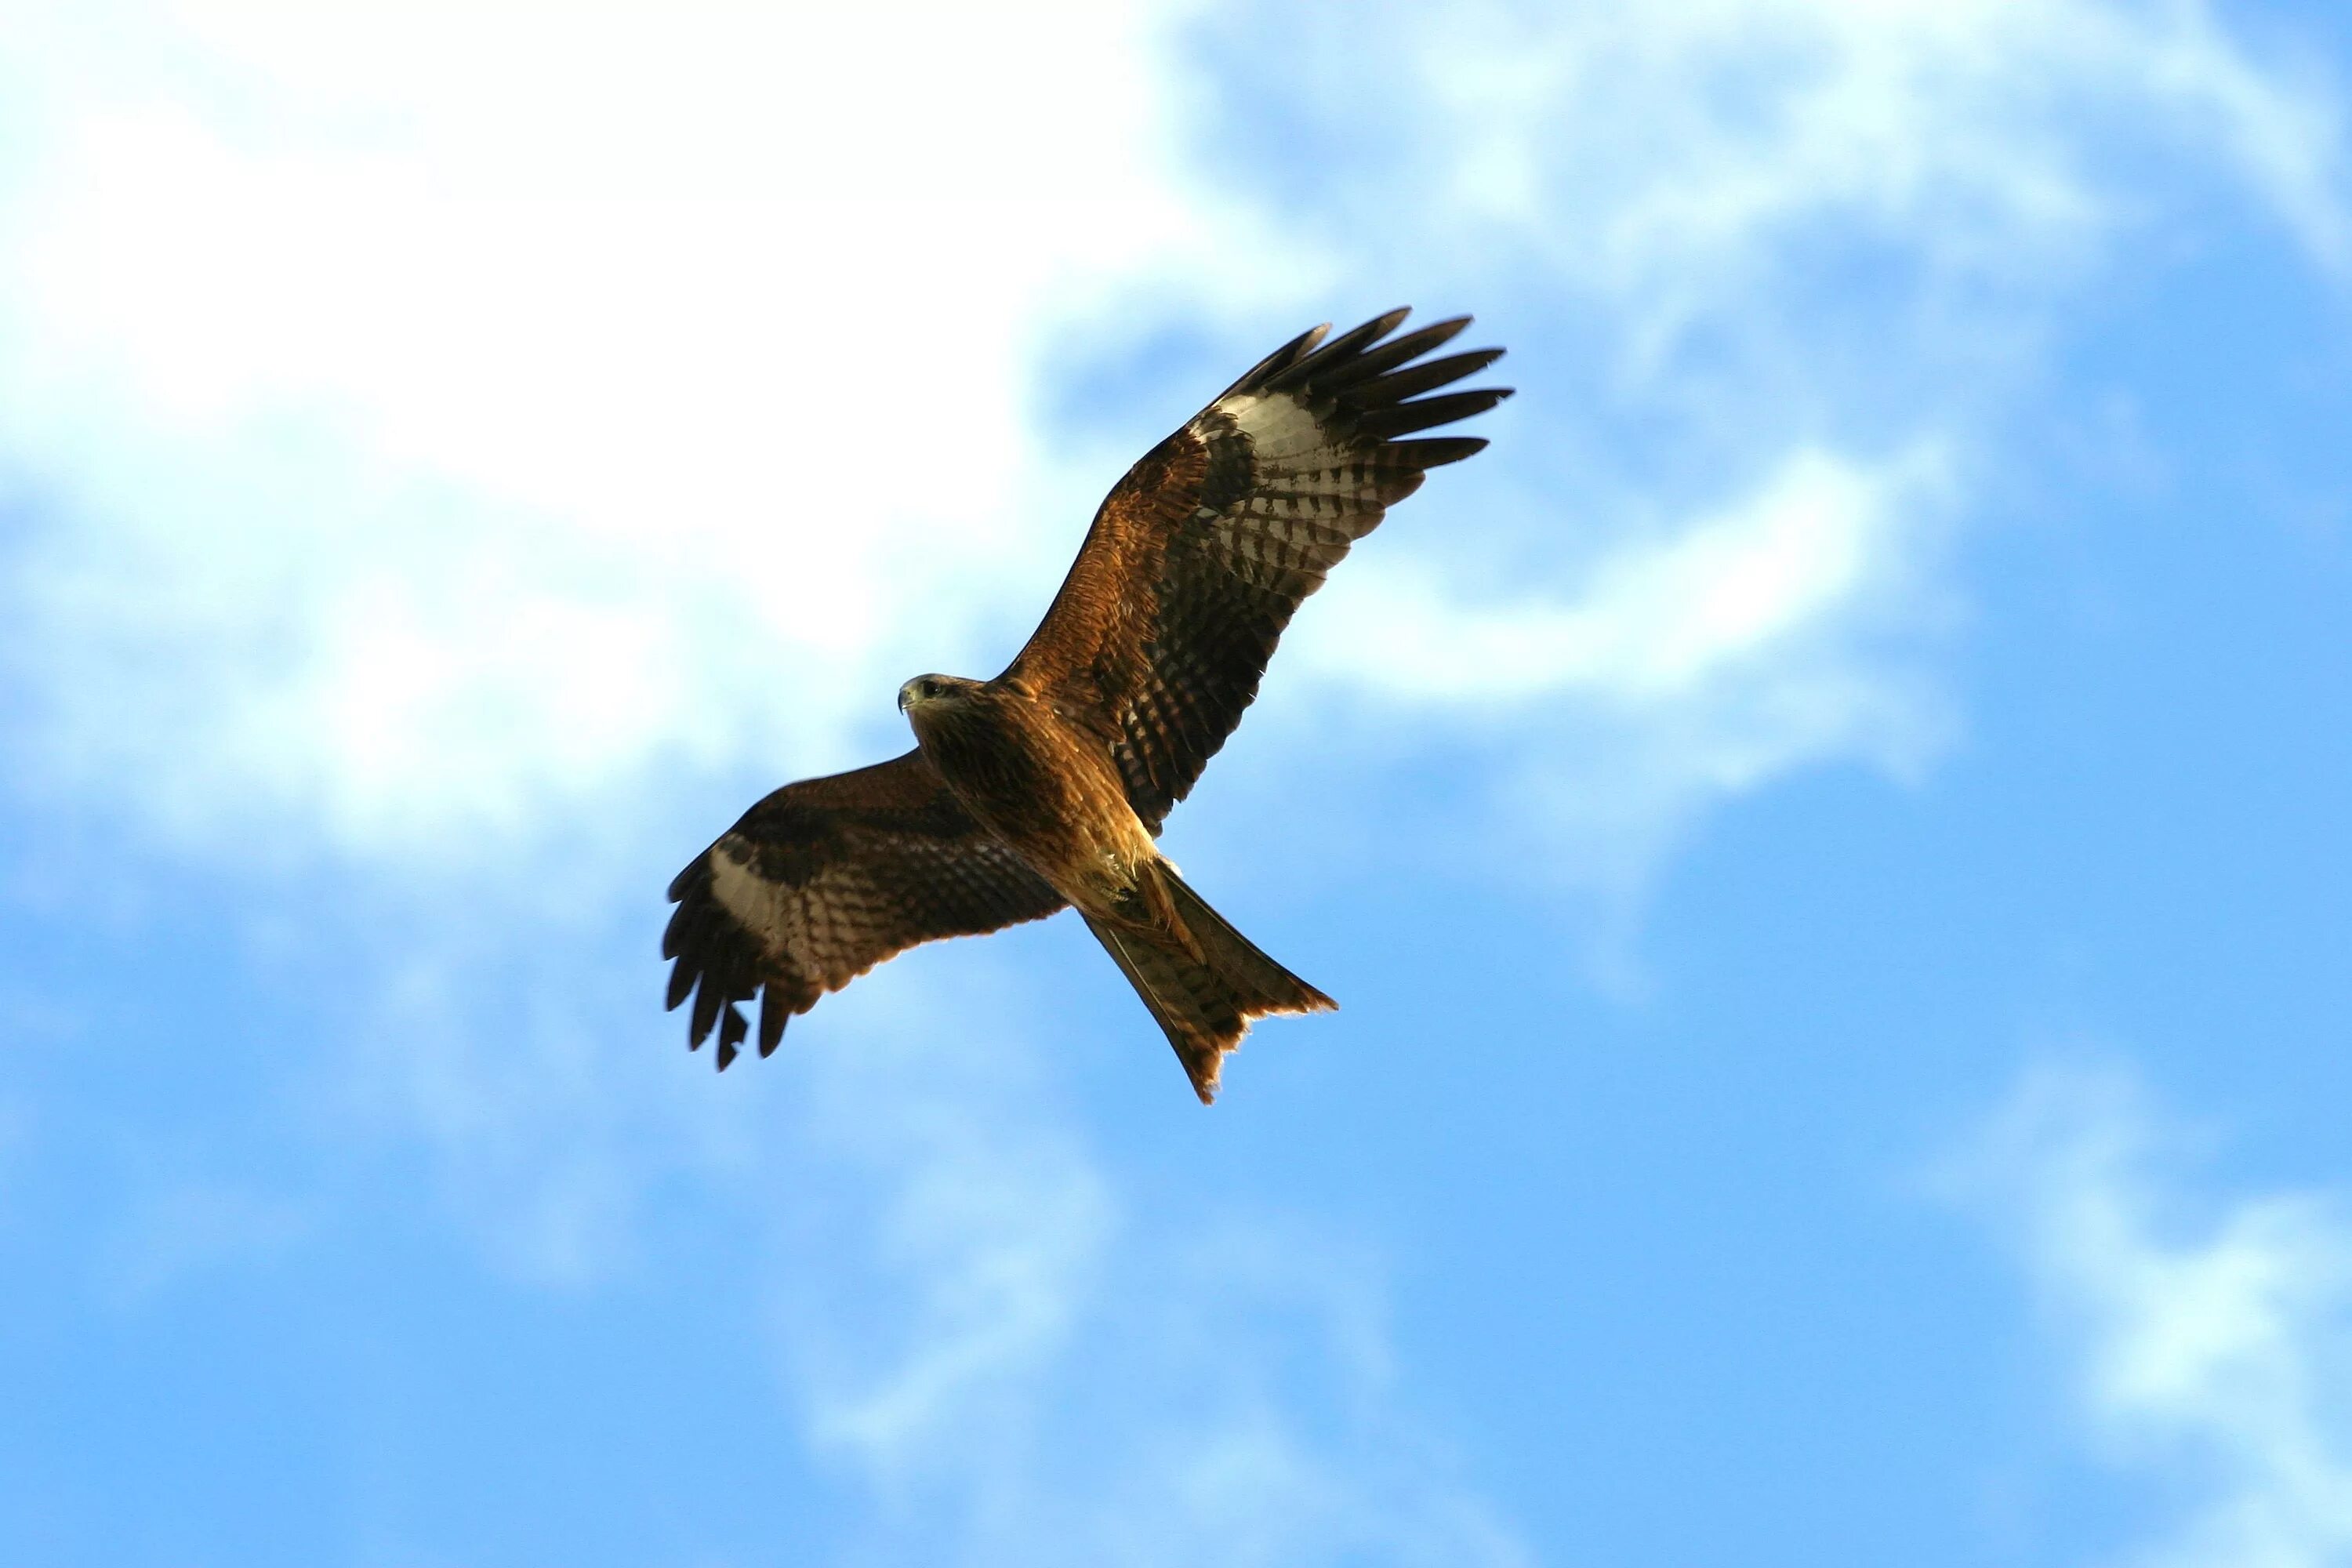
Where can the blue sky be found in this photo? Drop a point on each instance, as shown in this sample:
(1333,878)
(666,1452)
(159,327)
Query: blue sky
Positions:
(1828,836)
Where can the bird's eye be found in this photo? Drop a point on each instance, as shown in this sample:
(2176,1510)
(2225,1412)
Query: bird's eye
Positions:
(927,689)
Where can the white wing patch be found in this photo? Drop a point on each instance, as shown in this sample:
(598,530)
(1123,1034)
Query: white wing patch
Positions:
(1312,499)
(756,903)
(1277,426)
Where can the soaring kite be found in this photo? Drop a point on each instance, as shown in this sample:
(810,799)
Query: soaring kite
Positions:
(1048,784)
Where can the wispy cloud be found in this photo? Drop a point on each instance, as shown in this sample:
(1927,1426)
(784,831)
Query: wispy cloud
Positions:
(1008,1344)
(1657,622)
(1703,162)
(1030,1357)
(1807,257)
(388,458)
(2207,1339)
(1679,669)
(391,452)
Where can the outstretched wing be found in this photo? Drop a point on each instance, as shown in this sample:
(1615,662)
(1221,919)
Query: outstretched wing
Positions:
(822,880)
(1199,557)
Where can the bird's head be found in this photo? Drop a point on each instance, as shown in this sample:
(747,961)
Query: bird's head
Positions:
(926,691)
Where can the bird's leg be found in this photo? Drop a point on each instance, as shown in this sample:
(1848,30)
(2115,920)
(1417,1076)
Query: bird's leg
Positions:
(1128,893)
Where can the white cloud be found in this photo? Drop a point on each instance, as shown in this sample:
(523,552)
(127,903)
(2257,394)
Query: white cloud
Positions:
(1030,1358)
(1686,159)
(1803,256)
(428,418)
(1010,1346)
(986,1221)
(2208,1341)
(1657,623)
(424,415)
(415,451)
(1612,701)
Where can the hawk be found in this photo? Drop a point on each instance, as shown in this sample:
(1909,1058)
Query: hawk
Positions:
(1048,784)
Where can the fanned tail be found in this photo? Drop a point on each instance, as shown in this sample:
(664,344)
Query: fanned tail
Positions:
(1204,982)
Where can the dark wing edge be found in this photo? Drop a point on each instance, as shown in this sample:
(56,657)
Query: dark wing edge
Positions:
(1199,557)
(824,879)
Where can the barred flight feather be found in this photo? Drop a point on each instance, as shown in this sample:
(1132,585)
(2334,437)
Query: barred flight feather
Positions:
(1213,540)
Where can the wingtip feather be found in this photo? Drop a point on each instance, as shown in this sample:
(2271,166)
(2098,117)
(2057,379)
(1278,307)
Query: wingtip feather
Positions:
(732,1027)
(1438,451)
(1338,351)
(774,1014)
(1379,361)
(1404,419)
(708,999)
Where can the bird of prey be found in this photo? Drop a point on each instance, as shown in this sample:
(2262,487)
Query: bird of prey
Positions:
(1048,784)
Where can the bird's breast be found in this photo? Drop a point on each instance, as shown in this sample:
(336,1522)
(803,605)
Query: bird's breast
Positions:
(1049,792)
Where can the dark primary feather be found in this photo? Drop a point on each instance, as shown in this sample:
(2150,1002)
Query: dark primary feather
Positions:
(1288,355)
(1333,354)
(1397,350)
(1201,554)
(825,879)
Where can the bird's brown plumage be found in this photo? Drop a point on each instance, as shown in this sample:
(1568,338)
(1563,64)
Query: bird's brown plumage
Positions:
(1012,804)
(825,879)
(1199,557)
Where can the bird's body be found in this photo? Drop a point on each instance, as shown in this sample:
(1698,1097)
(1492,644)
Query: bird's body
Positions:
(1047,784)
(1038,784)
(1036,779)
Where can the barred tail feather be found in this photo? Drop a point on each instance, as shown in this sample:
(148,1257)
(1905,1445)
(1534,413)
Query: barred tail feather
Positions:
(1259,985)
(1205,990)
